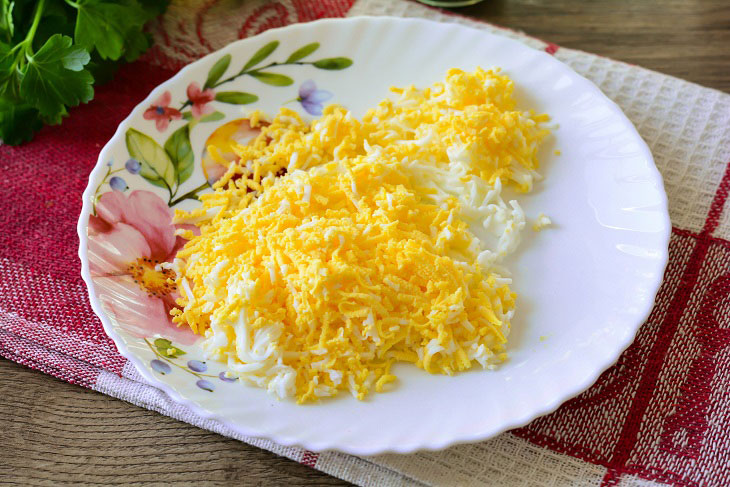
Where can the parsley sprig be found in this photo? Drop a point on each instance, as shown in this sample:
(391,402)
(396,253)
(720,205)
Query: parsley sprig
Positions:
(53,51)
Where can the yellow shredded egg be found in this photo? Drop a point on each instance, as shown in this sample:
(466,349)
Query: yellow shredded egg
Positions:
(337,247)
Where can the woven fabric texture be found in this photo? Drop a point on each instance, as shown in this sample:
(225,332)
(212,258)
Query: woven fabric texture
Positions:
(659,416)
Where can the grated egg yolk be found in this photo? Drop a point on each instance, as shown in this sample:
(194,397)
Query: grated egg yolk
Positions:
(345,283)
(335,248)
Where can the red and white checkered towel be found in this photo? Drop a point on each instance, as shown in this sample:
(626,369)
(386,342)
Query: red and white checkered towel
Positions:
(661,415)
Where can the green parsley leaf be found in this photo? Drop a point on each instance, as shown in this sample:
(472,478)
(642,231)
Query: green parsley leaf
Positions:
(108,26)
(153,7)
(58,18)
(7,28)
(55,77)
(22,13)
(18,122)
(103,70)
(9,76)
(136,45)
(42,71)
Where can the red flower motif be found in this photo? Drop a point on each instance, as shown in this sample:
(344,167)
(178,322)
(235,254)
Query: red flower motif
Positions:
(200,99)
(161,113)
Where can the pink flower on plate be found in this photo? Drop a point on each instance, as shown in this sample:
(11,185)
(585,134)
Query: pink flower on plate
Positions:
(161,113)
(128,237)
(200,99)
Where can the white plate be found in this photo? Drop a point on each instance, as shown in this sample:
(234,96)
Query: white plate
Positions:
(585,284)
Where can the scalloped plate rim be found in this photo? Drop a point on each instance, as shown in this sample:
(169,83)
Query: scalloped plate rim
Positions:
(364,450)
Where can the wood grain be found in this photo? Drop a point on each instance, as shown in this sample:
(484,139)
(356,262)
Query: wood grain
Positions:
(677,37)
(56,433)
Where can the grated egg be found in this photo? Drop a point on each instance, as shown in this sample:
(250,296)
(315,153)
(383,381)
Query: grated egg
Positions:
(382,243)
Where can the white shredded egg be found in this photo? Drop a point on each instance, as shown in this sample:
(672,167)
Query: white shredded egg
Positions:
(382,243)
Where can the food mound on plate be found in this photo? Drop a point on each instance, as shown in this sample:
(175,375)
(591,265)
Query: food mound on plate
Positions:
(332,249)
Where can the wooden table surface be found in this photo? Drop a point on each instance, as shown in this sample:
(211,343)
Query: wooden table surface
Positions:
(54,432)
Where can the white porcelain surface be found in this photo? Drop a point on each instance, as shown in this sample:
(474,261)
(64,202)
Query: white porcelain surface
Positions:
(585,284)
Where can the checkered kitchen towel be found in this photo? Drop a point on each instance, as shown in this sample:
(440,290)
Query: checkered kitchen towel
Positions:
(661,415)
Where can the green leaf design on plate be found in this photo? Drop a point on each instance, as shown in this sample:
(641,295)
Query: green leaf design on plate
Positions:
(333,63)
(157,168)
(165,348)
(181,153)
(172,352)
(187,116)
(303,52)
(273,79)
(261,54)
(218,69)
(212,117)
(236,97)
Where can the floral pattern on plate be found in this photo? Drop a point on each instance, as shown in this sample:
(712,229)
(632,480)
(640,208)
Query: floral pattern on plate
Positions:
(604,189)
(167,355)
(130,231)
